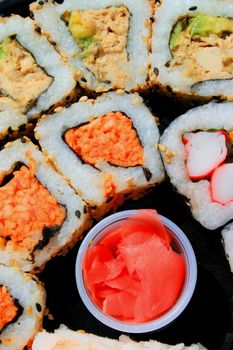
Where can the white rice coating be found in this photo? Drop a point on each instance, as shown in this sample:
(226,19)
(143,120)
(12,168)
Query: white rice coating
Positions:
(227,235)
(85,178)
(211,116)
(48,17)
(29,292)
(172,11)
(72,226)
(47,58)
(85,341)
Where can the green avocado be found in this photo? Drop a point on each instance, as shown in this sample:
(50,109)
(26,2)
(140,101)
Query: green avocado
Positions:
(202,25)
(178,28)
(3,48)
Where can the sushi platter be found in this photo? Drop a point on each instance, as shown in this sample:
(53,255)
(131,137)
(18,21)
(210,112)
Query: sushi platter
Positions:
(195,194)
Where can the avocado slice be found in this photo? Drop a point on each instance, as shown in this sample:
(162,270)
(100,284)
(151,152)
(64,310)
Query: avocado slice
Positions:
(202,25)
(177,30)
(3,48)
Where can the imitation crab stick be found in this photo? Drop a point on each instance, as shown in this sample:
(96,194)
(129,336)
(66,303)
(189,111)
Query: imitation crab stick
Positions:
(205,152)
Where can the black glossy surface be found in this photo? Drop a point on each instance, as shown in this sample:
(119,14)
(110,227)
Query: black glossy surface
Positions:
(208,318)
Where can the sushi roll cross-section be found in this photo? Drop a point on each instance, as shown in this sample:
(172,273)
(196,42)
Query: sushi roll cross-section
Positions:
(33,76)
(22,305)
(202,167)
(192,50)
(64,338)
(40,215)
(106,42)
(106,148)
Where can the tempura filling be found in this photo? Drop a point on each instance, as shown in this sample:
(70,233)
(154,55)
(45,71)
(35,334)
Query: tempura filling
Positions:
(9,308)
(202,46)
(102,37)
(29,214)
(22,81)
(110,138)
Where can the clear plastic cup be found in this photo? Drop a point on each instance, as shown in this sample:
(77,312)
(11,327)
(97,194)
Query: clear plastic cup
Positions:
(181,243)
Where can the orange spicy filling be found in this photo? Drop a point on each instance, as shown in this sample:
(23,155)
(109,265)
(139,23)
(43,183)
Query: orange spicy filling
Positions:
(8,310)
(110,138)
(26,208)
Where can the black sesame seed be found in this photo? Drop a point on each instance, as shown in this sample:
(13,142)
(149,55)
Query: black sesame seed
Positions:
(152,19)
(94,207)
(38,30)
(38,307)
(109,199)
(41,2)
(84,80)
(193,8)
(22,127)
(107,81)
(53,43)
(85,209)
(77,213)
(169,89)
(156,71)
(147,174)
(23,140)
(167,64)
(10,131)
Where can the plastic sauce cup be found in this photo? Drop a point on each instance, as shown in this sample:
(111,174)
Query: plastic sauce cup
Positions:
(184,247)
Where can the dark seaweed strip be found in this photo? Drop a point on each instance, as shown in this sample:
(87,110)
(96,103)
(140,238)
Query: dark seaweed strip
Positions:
(47,233)
(9,177)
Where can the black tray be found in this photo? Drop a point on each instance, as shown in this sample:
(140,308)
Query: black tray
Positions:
(208,319)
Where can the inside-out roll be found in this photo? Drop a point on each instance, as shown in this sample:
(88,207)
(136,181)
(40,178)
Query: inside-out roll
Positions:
(66,339)
(22,305)
(33,76)
(106,42)
(197,153)
(41,216)
(106,148)
(192,48)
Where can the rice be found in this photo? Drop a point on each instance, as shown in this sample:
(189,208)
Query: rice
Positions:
(29,296)
(90,179)
(48,216)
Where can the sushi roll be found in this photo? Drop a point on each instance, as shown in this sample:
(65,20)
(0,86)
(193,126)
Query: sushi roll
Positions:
(33,76)
(106,148)
(106,42)
(227,237)
(197,153)
(40,215)
(192,48)
(22,305)
(70,340)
